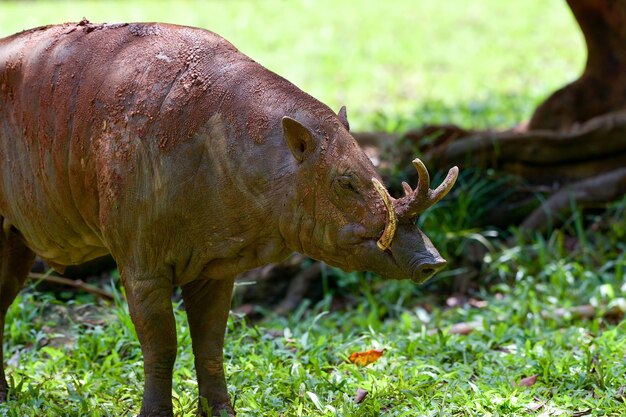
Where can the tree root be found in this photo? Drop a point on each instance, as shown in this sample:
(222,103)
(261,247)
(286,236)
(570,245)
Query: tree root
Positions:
(595,191)
(541,156)
(283,285)
(74,283)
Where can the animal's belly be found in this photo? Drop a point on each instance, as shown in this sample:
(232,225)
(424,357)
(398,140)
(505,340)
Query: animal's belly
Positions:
(57,224)
(67,252)
(68,245)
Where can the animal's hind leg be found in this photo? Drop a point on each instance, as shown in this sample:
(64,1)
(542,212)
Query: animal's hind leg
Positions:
(16,259)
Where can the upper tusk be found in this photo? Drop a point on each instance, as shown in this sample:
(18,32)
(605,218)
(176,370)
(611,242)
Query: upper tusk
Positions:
(385,240)
(423,177)
(445,187)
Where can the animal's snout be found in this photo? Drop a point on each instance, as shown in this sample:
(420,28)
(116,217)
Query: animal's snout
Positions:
(426,270)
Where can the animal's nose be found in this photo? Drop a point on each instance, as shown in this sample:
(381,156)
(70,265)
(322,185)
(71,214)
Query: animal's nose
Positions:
(427,269)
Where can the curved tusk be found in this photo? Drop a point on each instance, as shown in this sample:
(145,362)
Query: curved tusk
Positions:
(445,187)
(407,188)
(423,177)
(385,240)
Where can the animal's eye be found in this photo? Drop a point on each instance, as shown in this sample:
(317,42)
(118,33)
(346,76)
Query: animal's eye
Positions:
(347,182)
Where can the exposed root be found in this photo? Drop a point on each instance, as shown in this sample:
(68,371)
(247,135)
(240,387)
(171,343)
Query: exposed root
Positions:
(78,284)
(542,156)
(595,191)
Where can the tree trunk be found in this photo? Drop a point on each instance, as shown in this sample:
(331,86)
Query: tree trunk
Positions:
(602,86)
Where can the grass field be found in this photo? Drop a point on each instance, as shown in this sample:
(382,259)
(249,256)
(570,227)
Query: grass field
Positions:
(480,63)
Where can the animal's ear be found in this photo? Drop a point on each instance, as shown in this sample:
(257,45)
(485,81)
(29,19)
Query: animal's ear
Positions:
(343,117)
(299,139)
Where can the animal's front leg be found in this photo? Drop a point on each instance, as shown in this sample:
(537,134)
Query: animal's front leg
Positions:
(150,304)
(207,303)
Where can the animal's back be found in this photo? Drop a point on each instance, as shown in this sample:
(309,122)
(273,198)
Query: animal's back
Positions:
(100,124)
(74,102)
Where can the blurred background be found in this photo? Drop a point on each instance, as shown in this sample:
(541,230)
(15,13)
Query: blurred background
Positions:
(528,317)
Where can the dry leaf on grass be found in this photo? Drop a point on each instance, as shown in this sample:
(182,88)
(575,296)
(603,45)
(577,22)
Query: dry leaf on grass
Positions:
(534,406)
(360,395)
(529,381)
(365,358)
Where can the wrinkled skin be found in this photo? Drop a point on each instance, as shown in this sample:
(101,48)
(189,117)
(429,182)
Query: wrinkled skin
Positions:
(189,163)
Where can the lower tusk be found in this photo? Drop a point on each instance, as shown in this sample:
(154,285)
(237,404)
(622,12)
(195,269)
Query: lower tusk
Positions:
(385,240)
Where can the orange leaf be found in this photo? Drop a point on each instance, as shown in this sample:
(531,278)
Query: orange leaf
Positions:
(365,358)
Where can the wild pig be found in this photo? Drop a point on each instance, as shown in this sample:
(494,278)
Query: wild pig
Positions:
(189,163)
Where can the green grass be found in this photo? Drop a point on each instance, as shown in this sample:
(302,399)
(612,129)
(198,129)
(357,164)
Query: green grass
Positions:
(394,64)
(77,360)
